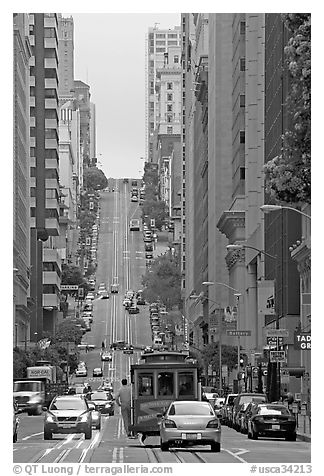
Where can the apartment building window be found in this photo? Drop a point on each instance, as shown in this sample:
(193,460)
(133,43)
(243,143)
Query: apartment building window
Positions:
(176,59)
(33,171)
(242,173)
(242,100)
(152,105)
(49,33)
(160,35)
(33,192)
(49,289)
(152,91)
(169,118)
(242,27)
(151,64)
(169,130)
(172,35)
(160,50)
(242,137)
(51,193)
(242,64)
(51,213)
(51,134)
(51,93)
(160,42)
(169,86)
(169,107)
(172,43)
(152,126)
(169,97)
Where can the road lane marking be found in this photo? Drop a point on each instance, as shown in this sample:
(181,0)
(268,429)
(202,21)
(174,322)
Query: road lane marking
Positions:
(235,455)
(30,436)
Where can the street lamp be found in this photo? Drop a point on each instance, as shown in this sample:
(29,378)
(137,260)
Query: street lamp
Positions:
(273,208)
(242,246)
(237,294)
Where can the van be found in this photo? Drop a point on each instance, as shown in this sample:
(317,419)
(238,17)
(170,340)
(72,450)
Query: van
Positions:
(157,342)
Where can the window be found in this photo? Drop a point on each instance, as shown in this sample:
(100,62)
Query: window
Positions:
(242,64)
(145,385)
(169,107)
(160,50)
(160,35)
(169,86)
(172,35)
(151,64)
(242,28)
(165,383)
(242,173)
(169,130)
(242,100)
(176,59)
(169,97)
(169,118)
(172,43)
(185,383)
(242,137)
(160,42)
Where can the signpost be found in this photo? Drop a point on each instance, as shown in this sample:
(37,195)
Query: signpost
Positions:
(238,333)
(277,356)
(69,287)
(277,333)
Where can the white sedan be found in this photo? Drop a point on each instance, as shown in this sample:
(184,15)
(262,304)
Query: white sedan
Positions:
(81,372)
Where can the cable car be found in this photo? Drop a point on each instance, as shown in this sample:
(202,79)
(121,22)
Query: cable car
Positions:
(158,379)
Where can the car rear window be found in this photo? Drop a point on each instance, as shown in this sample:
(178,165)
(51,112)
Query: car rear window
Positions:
(190,409)
(251,398)
(272,410)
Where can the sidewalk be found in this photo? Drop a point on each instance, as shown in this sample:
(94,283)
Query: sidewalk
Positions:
(304,428)
(162,244)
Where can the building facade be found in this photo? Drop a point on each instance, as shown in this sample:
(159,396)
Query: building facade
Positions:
(157,43)
(66,55)
(21,194)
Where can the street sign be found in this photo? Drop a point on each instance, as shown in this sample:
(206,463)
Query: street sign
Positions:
(277,356)
(274,341)
(277,333)
(69,287)
(238,333)
(302,340)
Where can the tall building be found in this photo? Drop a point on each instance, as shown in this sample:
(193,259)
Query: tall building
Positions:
(93,151)
(21,252)
(157,43)
(44,177)
(82,97)
(66,55)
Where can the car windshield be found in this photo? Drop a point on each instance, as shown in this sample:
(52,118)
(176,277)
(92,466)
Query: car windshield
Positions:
(231,399)
(209,389)
(68,404)
(99,396)
(273,410)
(26,386)
(244,399)
(191,409)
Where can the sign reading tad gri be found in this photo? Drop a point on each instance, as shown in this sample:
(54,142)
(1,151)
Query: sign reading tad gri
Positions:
(302,341)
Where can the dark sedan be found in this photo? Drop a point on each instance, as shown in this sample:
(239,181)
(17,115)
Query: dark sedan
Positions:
(271,420)
(103,402)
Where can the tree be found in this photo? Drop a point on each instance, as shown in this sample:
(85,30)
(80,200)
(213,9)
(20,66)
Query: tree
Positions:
(155,209)
(94,179)
(163,282)
(210,356)
(288,176)
(71,274)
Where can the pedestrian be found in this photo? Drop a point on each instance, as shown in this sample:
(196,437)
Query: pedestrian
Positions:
(102,345)
(123,399)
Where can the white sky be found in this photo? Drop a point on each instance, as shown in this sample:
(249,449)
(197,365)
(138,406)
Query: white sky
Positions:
(109,55)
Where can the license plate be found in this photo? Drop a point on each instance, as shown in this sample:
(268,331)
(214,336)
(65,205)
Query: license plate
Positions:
(276,427)
(66,425)
(189,436)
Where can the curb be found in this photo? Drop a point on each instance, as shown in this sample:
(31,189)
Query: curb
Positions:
(303,437)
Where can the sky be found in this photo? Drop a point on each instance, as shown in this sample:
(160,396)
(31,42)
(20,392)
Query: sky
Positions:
(109,55)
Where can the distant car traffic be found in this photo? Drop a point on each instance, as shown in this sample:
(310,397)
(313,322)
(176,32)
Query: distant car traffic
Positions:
(114,287)
(67,414)
(133,309)
(188,423)
(103,401)
(90,296)
(97,372)
(81,372)
(128,349)
(105,295)
(106,357)
(120,344)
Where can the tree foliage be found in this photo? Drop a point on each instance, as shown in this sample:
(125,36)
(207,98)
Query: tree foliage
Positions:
(71,274)
(94,179)
(155,209)
(163,282)
(288,176)
(210,356)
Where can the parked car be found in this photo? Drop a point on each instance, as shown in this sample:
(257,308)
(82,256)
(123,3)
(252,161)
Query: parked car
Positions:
(218,405)
(183,421)
(128,349)
(81,372)
(67,414)
(90,297)
(226,410)
(15,421)
(209,393)
(271,420)
(105,295)
(133,309)
(245,399)
(120,344)
(148,349)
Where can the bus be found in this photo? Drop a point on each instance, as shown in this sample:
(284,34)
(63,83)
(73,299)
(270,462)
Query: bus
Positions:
(134,224)
(158,379)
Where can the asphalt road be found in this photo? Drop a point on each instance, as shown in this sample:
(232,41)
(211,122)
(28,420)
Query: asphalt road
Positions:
(121,255)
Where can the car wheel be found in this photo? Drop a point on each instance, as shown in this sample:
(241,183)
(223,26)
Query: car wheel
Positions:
(88,434)
(47,435)
(215,447)
(164,446)
(254,435)
(292,437)
(249,435)
(98,427)
(15,437)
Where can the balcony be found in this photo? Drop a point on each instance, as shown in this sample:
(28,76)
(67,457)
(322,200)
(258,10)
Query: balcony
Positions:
(52,183)
(51,143)
(51,277)
(50,43)
(51,255)
(32,101)
(52,226)
(50,103)
(51,164)
(50,63)
(52,203)
(32,121)
(51,124)
(32,81)
(51,83)
(51,300)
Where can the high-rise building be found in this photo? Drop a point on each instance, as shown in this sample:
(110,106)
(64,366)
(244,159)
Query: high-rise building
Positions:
(66,55)
(93,133)
(82,97)
(157,43)
(21,252)
(44,176)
